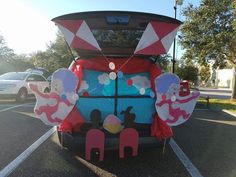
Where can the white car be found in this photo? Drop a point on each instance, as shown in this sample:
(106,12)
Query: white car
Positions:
(15,85)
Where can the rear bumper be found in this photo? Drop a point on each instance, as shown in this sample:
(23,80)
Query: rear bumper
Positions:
(78,141)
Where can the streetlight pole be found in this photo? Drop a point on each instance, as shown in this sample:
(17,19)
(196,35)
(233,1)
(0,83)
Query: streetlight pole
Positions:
(173,60)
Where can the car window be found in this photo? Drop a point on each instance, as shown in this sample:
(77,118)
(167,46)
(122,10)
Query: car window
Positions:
(13,76)
(34,77)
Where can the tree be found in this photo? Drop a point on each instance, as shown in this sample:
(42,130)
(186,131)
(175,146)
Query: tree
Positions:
(5,52)
(163,61)
(234,49)
(56,56)
(10,61)
(188,72)
(205,74)
(209,34)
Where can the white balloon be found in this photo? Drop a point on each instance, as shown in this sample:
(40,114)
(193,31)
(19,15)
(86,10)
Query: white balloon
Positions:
(142,91)
(112,65)
(112,75)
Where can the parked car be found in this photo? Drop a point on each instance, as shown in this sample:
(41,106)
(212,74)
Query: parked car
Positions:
(116,72)
(39,70)
(15,85)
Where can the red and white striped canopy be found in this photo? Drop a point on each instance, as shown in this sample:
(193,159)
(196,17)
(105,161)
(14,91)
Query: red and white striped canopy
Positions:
(78,34)
(157,38)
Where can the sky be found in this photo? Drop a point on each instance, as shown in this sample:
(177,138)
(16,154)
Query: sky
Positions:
(27,27)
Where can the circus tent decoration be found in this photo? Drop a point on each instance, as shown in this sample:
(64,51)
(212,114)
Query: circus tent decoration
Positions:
(157,38)
(78,34)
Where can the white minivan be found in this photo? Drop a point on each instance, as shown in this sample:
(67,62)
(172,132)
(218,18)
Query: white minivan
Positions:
(15,84)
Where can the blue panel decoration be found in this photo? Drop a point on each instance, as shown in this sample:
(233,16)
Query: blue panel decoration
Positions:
(87,105)
(143,113)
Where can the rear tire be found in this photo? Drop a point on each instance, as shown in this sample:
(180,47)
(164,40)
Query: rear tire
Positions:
(46,90)
(21,95)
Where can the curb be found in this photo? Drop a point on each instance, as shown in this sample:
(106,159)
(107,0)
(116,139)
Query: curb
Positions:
(228,112)
(223,111)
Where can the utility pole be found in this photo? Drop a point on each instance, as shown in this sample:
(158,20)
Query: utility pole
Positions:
(177,2)
(173,60)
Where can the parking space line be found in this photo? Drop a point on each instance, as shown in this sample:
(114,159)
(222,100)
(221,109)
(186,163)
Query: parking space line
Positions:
(193,171)
(21,105)
(15,163)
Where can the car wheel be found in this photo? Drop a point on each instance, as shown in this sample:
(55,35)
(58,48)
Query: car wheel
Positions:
(46,90)
(22,95)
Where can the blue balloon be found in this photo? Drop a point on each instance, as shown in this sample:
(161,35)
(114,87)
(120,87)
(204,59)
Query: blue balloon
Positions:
(63,97)
(120,74)
(152,94)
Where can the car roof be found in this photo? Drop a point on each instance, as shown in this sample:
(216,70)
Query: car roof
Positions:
(100,21)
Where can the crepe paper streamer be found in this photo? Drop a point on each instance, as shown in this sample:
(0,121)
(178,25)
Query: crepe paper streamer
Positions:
(120,74)
(112,124)
(142,91)
(95,139)
(129,82)
(160,129)
(172,108)
(129,138)
(52,108)
(112,65)
(112,75)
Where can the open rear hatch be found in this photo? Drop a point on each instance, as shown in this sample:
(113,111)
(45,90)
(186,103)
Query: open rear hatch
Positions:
(118,33)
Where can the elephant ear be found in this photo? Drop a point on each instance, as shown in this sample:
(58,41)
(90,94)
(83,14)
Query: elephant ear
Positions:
(170,106)
(52,108)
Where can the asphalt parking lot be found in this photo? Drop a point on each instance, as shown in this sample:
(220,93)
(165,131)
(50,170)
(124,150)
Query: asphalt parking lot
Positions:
(206,142)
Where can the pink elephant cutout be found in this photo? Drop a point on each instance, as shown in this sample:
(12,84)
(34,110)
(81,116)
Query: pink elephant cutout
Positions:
(52,108)
(172,108)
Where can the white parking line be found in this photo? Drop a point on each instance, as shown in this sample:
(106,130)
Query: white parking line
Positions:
(193,171)
(15,163)
(21,105)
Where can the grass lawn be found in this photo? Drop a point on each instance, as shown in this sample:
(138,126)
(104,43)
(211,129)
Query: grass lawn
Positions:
(221,104)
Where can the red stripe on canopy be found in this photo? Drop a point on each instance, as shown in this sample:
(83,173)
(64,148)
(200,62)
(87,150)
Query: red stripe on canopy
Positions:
(71,25)
(157,38)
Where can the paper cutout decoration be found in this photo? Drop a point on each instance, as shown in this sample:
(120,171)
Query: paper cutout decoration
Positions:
(112,124)
(157,38)
(128,117)
(170,106)
(95,118)
(52,108)
(95,138)
(78,34)
(141,82)
(129,138)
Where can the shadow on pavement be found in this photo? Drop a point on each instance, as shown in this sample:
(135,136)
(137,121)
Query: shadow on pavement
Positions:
(208,139)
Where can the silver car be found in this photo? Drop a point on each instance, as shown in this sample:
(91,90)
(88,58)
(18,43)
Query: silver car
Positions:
(15,85)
